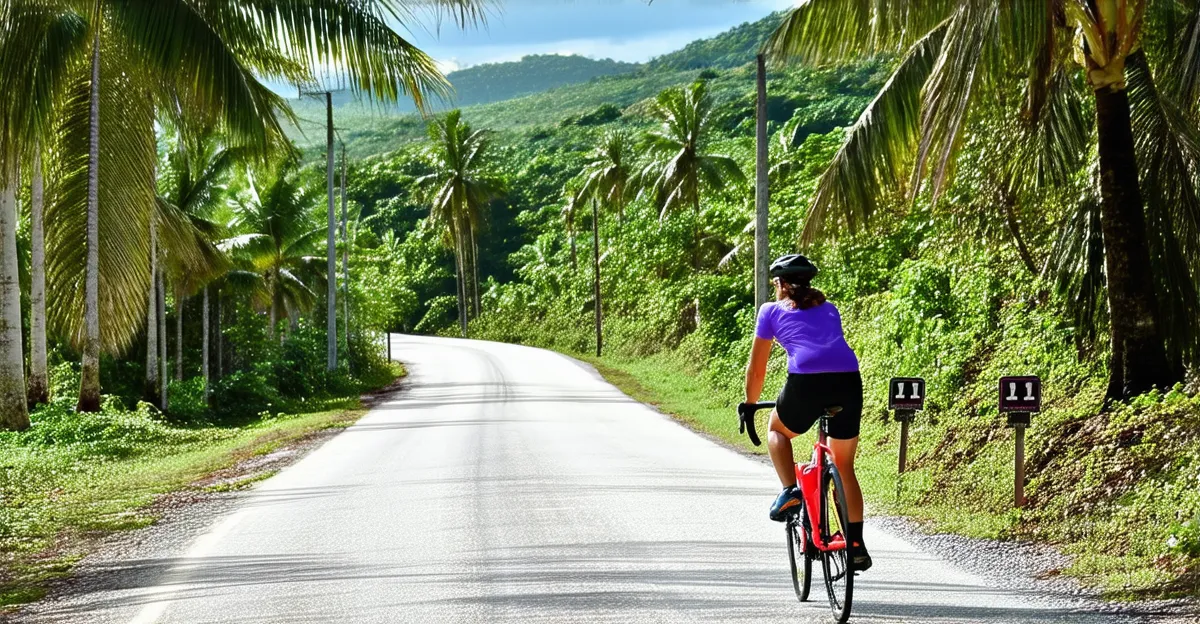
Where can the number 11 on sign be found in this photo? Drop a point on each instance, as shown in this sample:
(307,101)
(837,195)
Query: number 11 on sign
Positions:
(1012,391)
(916,390)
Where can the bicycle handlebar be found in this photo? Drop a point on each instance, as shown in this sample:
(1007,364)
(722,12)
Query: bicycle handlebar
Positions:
(746,413)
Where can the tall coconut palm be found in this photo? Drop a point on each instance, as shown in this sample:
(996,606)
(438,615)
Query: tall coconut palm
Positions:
(606,182)
(680,168)
(192,185)
(461,188)
(608,174)
(194,63)
(1142,73)
(37,44)
(277,242)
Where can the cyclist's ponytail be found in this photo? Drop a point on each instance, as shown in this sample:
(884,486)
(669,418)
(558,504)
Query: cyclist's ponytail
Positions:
(802,295)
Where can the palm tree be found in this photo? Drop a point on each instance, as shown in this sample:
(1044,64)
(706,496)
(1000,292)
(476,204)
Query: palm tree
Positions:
(193,64)
(192,182)
(36,44)
(681,169)
(276,245)
(609,172)
(1143,75)
(606,181)
(461,188)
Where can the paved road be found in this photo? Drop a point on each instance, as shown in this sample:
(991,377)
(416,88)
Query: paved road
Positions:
(513,484)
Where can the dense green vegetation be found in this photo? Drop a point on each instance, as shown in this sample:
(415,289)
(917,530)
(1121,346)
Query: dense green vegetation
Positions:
(162,255)
(985,279)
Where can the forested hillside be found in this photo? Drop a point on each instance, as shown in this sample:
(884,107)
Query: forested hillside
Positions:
(494,82)
(987,280)
(573,86)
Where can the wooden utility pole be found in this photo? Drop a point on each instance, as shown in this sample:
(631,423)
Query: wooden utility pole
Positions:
(762,192)
(345,259)
(331,244)
(331,337)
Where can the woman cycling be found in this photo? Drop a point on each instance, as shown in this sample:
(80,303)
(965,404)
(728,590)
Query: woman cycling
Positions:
(822,371)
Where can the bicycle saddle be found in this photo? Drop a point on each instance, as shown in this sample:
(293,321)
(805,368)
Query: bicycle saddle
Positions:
(833,410)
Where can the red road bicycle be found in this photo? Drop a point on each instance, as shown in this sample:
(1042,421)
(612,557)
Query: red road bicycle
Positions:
(815,530)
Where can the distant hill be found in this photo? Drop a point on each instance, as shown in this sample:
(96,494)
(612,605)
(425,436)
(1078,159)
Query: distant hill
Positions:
(494,82)
(732,48)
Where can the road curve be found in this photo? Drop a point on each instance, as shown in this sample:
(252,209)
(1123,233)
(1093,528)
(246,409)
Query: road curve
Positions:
(514,484)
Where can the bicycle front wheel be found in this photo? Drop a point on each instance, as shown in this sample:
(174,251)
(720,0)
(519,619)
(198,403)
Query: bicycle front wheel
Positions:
(797,542)
(839,577)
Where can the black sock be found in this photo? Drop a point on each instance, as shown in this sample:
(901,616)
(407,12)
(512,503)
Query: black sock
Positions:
(854,532)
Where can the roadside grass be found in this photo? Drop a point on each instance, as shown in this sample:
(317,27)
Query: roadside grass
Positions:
(1104,488)
(64,489)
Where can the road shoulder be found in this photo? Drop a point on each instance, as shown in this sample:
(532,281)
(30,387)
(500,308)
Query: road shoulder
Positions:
(101,561)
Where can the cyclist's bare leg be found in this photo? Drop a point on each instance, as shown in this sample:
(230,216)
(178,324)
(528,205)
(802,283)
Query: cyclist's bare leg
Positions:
(843,458)
(779,444)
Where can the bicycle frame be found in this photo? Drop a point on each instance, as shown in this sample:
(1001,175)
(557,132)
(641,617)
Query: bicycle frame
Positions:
(808,476)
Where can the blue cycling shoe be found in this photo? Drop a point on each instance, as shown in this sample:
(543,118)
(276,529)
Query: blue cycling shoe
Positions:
(787,503)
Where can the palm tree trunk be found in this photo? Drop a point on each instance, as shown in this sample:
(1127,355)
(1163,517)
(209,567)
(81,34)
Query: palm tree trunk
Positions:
(220,337)
(179,299)
(13,409)
(273,316)
(1009,200)
(89,374)
(204,342)
(460,283)
(345,261)
(152,392)
(1131,297)
(477,300)
(696,230)
(39,383)
(596,277)
(161,303)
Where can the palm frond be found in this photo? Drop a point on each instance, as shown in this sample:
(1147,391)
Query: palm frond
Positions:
(127,199)
(39,44)
(950,89)
(834,31)
(878,146)
(1052,148)
(1076,266)
(1168,151)
(352,38)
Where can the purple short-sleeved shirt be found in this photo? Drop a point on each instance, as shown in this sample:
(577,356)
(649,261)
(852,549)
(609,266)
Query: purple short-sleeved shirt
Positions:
(813,338)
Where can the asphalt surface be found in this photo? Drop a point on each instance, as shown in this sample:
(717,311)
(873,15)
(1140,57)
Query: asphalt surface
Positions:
(514,484)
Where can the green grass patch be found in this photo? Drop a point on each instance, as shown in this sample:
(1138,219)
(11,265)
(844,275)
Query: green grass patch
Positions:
(1105,488)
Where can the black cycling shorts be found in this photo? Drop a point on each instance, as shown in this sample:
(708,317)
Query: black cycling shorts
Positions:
(805,396)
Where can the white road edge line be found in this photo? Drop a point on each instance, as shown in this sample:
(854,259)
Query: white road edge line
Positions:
(151,613)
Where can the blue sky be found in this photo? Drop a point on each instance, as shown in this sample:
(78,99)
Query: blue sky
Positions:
(625,30)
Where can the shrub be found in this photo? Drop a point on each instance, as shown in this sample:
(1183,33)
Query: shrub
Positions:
(244,394)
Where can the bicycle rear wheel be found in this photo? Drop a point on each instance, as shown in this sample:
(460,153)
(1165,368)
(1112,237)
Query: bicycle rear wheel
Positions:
(798,556)
(839,577)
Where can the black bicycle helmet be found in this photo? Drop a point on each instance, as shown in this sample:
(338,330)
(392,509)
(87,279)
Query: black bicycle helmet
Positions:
(794,265)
